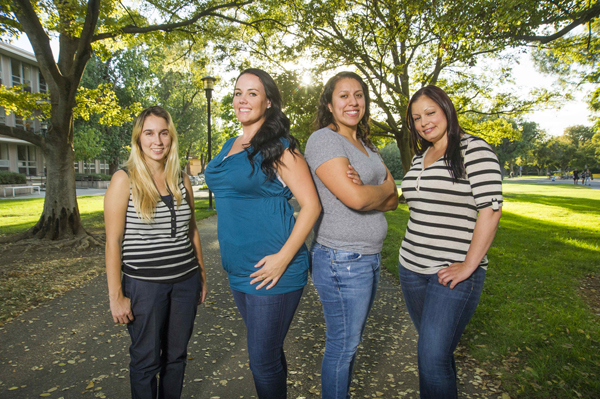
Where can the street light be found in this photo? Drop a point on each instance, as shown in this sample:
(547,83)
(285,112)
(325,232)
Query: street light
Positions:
(209,84)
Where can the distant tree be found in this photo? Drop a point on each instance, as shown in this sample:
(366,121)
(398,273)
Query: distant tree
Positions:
(391,157)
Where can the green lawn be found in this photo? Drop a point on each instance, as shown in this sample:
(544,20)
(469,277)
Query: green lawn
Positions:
(17,215)
(532,325)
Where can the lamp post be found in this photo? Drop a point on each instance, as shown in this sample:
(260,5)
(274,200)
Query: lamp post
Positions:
(209,84)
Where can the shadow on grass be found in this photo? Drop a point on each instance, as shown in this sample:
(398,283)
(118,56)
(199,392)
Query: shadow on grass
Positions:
(531,310)
(531,324)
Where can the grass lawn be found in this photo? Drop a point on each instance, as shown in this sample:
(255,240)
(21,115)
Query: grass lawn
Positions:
(17,215)
(533,325)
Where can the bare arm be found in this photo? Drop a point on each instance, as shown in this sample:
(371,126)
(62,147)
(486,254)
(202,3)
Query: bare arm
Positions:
(391,202)
(195,237)
(356,196)
(483,236)
(296,175)
(116,200)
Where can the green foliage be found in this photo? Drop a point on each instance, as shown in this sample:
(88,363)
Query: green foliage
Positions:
(92,177)
(532,326)
(391,157)
(7,177)
(86,143)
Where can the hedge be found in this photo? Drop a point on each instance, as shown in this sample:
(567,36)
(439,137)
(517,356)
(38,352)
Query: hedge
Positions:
(7,177)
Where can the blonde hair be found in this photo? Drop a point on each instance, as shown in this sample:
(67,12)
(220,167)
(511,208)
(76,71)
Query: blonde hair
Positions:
(145,195)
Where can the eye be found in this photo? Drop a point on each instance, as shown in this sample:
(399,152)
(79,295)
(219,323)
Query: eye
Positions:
(416,118)
(359,95)
(431,113)
(237,93)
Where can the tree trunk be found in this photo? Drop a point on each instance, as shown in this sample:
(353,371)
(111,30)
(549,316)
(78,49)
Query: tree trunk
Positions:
(60,219)
(406,151)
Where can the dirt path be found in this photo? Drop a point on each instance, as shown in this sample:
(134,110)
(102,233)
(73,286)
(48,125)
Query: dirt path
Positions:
(70,348)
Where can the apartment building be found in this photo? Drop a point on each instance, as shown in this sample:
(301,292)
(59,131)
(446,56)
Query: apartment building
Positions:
(19,67)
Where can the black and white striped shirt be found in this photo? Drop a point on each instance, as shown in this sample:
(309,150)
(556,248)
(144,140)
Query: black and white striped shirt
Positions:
(159,251)
(443,213)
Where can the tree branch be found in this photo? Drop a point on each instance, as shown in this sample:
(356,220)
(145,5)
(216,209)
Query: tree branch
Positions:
(212,11)
(39,41)
(23,134)
(586,16)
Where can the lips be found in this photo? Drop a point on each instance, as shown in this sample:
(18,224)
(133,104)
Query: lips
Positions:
(352,113)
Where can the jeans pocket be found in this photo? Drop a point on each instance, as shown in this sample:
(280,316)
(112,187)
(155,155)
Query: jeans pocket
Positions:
(345,256)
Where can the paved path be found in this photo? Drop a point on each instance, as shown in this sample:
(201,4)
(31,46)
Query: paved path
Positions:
(70,348)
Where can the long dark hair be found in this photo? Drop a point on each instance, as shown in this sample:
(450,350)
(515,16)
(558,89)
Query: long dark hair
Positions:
(267,141)
(452,157)
(325,117)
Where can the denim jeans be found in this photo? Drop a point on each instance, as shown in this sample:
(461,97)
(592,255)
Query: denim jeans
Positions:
(346,283)
(162,326)
(268,320)
(440,315)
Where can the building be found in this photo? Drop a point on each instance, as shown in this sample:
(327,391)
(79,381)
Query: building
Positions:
(19,67)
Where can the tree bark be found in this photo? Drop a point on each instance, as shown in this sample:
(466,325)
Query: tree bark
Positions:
(60,219)
(403,143)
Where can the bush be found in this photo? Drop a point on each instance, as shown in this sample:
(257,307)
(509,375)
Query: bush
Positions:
(7,177)
(91,177)
(391,157)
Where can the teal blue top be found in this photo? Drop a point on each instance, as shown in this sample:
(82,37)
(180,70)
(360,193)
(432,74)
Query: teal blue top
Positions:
(255,219)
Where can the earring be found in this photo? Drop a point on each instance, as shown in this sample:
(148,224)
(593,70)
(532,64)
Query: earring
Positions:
(268,106)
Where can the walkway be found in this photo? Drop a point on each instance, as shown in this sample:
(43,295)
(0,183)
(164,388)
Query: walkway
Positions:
(70,348)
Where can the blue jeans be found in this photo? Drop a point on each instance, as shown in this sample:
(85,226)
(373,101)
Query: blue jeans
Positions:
(346,283)
(268,320)
(440,315)
(162,326)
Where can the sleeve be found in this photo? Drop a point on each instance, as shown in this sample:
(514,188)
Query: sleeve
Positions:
(322,146)
(483,173)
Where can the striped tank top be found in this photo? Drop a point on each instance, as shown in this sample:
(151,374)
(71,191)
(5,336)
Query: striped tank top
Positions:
(159,251)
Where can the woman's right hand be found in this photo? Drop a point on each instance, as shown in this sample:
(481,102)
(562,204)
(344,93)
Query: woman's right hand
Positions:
(353,175)
(121,310)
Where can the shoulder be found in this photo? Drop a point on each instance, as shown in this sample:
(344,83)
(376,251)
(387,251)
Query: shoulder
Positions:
(473,146)
(120,178)
(321,137)
(119,187)
(471,141)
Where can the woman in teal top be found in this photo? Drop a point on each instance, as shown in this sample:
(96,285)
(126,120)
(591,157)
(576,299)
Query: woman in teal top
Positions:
(262,245)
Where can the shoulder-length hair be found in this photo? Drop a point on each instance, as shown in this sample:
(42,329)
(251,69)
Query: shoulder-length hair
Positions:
(267,140)
(145,195)
(325,117)
(452,157)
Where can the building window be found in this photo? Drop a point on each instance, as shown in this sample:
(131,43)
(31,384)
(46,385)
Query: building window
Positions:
(2,116)
(43,86)
(76,166)
(26,160)
(18,121)
(89,167)
(27,77)
(4,162)
(43,128)
(103,167)
(1,71)
(15,67)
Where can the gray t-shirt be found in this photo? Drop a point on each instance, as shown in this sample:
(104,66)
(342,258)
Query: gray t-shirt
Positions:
(339,226)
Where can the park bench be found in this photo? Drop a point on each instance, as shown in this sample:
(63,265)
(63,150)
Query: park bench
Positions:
(18,187)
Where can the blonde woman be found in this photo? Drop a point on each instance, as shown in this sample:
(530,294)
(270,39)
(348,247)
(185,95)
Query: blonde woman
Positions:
(154,265)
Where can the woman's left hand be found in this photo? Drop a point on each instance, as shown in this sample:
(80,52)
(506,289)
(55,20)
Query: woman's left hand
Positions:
(455,273)
(272,268)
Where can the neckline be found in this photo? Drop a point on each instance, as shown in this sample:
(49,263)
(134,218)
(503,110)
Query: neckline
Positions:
(228,155)
(349,142)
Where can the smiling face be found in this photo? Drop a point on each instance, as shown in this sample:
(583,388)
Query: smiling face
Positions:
(429,120)
(155,139)
(250,101)
(347,103)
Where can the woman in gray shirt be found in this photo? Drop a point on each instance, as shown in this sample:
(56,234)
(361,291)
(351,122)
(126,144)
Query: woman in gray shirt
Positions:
(355,188)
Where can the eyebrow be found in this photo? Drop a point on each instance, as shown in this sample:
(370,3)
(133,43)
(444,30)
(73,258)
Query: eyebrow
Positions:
(250,89)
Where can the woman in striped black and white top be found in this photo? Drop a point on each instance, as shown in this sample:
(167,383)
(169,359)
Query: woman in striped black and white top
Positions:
(454,193)
(154,263)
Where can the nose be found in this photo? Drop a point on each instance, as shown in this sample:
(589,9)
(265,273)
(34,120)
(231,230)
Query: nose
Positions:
(157,140)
